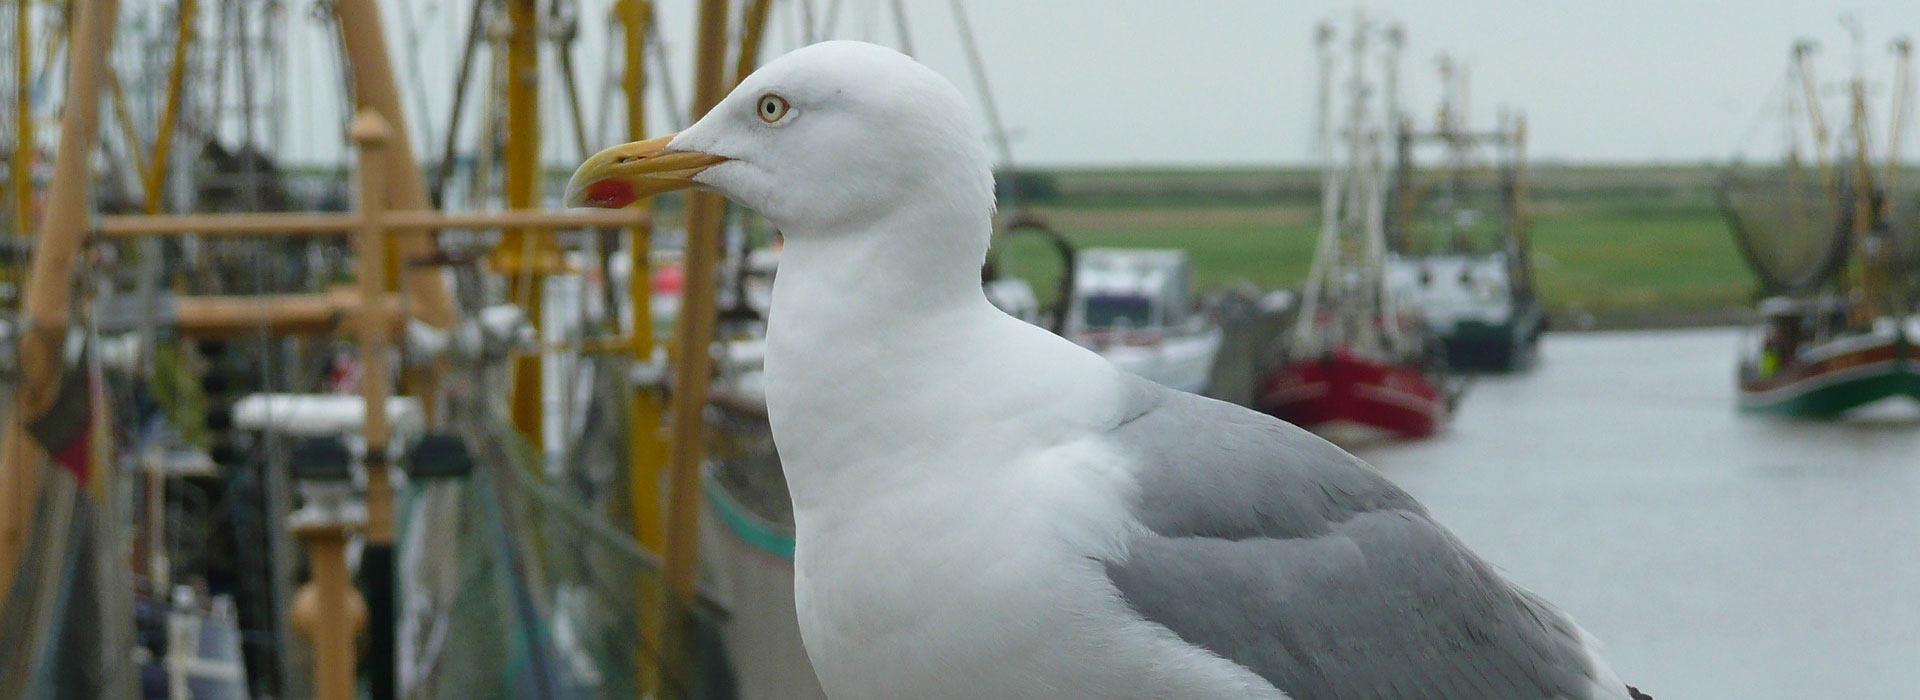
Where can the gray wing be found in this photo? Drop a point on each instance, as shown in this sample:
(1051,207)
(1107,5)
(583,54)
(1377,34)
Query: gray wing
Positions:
(1277,550)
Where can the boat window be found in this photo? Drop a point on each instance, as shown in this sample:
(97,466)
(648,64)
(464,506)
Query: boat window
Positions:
(1109,310)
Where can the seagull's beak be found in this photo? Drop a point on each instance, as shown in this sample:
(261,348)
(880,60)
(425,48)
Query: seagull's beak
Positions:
(619,176)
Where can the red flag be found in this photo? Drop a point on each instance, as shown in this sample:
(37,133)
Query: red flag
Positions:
(66,430)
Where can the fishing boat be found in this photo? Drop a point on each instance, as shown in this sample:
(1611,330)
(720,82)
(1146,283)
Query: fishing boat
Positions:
(1359,355)
(1458,234)
(1785,375)
(1835,247)
(1134,307)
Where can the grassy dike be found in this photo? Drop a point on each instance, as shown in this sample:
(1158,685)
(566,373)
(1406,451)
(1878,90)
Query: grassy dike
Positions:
(1613,247)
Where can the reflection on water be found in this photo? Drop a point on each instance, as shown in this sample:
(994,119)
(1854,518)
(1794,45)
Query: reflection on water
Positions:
(1718,555)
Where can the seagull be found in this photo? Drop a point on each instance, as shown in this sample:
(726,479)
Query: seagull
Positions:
(983,509)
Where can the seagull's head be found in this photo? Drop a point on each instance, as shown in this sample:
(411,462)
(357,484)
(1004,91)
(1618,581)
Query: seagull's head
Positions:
(828,138)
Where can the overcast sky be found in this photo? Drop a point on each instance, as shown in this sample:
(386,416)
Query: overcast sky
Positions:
(1230,82)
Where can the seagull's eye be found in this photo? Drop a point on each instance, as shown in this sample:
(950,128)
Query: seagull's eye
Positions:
(772,108)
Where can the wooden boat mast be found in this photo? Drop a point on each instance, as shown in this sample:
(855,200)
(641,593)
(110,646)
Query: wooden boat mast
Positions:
(24,149)
(46,306)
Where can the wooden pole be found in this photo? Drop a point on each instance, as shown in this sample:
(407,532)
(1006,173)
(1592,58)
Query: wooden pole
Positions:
(49,279)
(693,363)
(392,223)
(373,136)
(753,26)
(693,334)
(373,87)
(23,140)
(332,627)
(340,310)
(646,437)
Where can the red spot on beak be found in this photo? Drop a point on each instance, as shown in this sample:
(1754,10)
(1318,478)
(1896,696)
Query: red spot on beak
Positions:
(610,194)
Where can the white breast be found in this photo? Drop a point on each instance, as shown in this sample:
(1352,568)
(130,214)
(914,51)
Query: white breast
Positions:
(992,588)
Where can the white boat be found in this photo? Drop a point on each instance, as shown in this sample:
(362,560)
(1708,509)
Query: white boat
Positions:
(1135,307)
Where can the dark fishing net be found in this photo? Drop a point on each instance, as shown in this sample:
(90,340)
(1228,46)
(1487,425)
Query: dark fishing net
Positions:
(1793,235)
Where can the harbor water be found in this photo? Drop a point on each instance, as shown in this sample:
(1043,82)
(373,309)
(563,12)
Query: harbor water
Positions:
(1717,555)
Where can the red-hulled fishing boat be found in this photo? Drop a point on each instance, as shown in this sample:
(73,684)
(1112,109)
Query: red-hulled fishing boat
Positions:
(1358,356)
(1343,389)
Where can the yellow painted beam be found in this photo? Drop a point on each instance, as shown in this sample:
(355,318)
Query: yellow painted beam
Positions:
(154,179)
(525,256)
(646,428)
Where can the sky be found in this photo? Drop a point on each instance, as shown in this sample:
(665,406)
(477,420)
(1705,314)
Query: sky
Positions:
(1114,83)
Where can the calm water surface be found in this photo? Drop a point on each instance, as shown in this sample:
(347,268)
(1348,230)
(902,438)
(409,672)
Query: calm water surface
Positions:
(1718,555)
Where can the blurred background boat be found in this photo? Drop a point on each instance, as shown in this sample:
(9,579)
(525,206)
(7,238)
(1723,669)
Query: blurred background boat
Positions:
(1835,245)
(1458,232)
(1359,355)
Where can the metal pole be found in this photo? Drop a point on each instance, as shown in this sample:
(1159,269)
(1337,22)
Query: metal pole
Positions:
(47,302)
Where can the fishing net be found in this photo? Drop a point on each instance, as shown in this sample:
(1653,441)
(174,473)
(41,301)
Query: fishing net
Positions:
(1790,231)
(526,589)
(1899,254)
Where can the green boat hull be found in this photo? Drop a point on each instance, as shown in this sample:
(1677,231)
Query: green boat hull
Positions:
(1833,396)
(1833,400)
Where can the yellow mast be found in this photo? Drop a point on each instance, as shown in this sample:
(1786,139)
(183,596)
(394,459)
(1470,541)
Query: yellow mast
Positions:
(525,257)
(1903,58)
(1802,52)
(1863,308)
(155,178)
(646,436)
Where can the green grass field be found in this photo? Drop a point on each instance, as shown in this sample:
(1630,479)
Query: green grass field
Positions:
(1645,247)
(1588,259)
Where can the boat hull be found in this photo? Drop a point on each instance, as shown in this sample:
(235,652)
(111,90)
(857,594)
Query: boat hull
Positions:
(1507,345)
(1341,389)
(1836,382)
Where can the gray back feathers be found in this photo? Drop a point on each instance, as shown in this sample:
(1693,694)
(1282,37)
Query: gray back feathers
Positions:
(1277,550)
